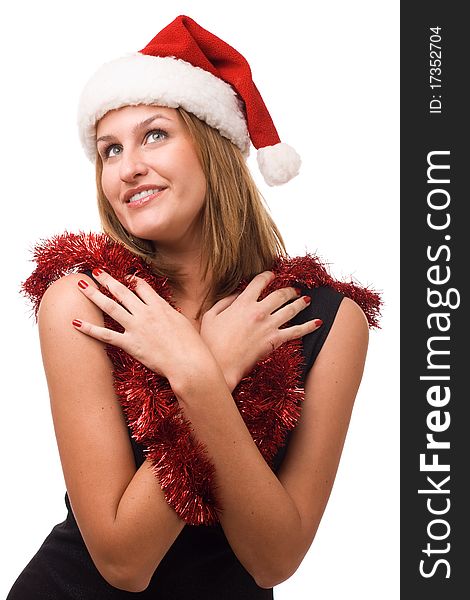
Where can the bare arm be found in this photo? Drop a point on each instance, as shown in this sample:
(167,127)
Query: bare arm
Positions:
(121,512)
(270,522)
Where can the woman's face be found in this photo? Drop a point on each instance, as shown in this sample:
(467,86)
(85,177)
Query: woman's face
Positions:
(151,175)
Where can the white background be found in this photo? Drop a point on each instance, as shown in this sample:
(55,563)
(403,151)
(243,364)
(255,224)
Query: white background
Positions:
(328,72)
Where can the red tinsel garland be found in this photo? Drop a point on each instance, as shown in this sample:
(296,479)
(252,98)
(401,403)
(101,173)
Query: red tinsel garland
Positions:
(269,398)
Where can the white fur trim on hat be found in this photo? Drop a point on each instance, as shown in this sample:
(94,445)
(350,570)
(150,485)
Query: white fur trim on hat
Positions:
(278,164)
(164,81)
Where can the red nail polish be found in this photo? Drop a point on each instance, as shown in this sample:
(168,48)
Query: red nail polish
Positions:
(306,299)
(96,272)
(83,284)
(77,323)
(298,291)
(318,322)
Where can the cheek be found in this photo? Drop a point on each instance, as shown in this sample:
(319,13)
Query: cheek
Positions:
(106,184)
(195,178)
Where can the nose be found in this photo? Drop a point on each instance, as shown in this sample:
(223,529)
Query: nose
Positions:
(132,165)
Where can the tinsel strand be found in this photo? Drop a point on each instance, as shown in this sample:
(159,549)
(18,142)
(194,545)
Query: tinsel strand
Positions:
(269,398)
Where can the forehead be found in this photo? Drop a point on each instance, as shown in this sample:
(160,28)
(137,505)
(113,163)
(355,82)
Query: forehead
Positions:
(128,116)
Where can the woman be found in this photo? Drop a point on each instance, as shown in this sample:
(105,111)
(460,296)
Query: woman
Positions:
(209,477)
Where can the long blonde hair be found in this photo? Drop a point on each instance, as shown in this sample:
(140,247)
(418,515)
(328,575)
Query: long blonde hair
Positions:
(239,237)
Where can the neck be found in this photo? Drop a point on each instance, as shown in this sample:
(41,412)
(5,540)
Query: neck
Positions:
(192,287)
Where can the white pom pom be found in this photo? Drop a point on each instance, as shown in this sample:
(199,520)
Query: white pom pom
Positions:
(278,164)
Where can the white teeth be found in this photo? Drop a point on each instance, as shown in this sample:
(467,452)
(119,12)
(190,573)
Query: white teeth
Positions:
(144,194)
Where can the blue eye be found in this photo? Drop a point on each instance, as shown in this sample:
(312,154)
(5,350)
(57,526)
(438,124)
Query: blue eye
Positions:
(156,135)
(112,150)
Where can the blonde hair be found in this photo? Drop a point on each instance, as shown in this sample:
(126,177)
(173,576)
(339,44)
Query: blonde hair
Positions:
(239,237)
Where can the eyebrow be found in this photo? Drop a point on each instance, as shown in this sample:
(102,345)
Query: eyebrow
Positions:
(136,128)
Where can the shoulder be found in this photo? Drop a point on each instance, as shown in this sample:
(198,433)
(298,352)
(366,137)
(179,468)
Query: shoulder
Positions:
(343,353)
(63,295)
(351,319)
(69,253)
(349,332)
(334,309)
(60,304)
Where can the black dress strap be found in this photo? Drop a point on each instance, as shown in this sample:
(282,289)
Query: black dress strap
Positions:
(324,305)
(90,274)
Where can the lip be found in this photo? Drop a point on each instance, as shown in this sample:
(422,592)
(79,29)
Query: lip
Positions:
(144,201)
(141,188)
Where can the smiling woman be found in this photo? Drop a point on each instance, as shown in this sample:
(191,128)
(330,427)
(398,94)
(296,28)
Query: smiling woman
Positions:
(201,380)
(138,158)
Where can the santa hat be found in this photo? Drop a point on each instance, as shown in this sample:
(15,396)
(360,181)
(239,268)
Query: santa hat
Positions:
(187,66)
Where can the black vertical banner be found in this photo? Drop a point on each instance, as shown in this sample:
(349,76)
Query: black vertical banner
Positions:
(435,268)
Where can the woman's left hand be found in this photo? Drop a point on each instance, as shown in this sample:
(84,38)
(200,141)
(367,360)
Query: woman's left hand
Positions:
(241,330)
(152,326)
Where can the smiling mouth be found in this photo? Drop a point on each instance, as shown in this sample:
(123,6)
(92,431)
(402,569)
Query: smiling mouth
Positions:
(140,196)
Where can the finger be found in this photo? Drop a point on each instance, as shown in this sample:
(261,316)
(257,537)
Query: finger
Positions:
(278,298)
(143,289)
(122,293)
(298,331)
(257,284)
(224,303)
(288,312)
(107,305)
(103,334)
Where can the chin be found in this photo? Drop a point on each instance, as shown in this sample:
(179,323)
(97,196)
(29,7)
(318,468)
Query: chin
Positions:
(145,232)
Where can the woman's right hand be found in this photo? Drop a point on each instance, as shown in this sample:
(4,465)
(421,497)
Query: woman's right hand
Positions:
(241,330)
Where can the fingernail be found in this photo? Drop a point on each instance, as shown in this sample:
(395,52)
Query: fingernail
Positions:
(83,284)
(298,291)
(96,272)
(306,299)
(318,322)
(77,323)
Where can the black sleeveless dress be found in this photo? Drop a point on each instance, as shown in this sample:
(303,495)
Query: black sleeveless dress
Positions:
(199,566)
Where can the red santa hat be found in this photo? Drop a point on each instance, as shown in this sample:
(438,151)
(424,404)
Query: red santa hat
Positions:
(187,66)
